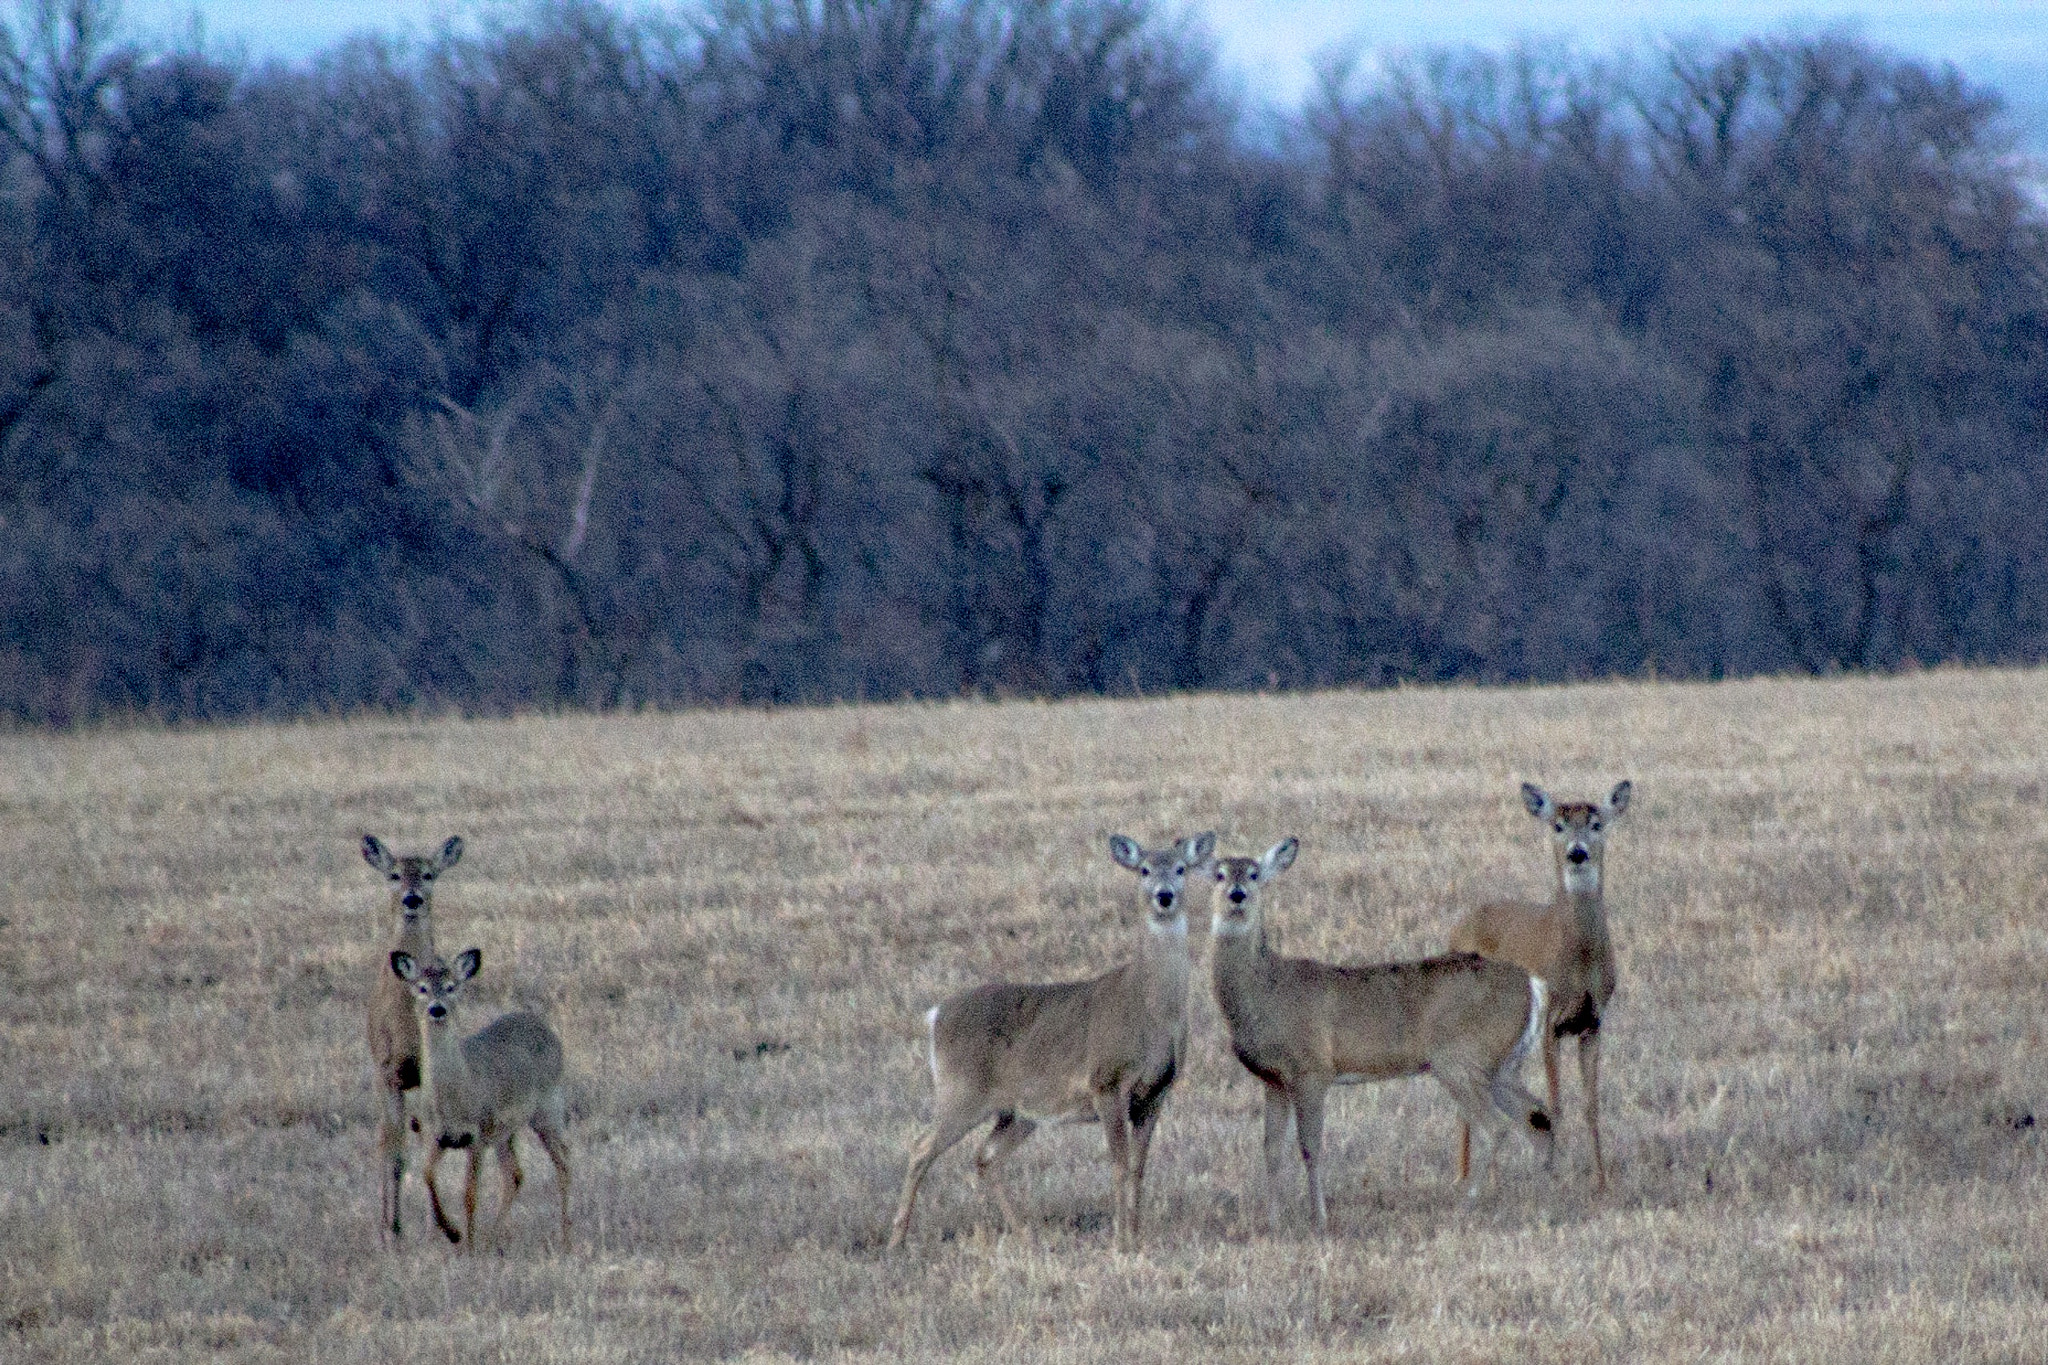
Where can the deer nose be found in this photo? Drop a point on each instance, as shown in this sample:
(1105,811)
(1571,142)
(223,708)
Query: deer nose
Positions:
(1576,854)
(411,900)
(1165,899)
(1237,895)
(437,1010)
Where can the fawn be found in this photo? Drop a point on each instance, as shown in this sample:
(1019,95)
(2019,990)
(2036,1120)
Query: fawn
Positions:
(481,1090)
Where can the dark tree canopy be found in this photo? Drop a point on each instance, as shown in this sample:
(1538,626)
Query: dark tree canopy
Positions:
(818,349)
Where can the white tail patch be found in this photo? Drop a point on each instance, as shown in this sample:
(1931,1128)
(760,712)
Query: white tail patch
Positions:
(1539,1001)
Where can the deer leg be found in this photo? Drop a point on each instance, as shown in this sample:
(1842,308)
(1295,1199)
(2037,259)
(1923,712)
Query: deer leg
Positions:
(1141,1151)
(948,1127)
(1464,1149)
(1524,1111)
(1279,1109)
(1589,1073)
(510,1180)
(1550,1082)
(548,1128)
(1113,1107)
(1308,1130)
(476,1168)
(1003,1139)
(434,1153)
(391,1159)
(1550,1067)
(1468,1085)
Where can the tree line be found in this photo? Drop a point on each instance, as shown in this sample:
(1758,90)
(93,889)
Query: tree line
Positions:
(797,350)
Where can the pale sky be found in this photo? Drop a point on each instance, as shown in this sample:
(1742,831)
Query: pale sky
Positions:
(1273,43)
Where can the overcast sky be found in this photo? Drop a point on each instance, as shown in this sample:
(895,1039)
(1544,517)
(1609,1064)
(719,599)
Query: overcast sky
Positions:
(1273,43)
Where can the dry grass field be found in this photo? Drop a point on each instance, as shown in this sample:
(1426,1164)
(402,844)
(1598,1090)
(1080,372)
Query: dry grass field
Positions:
(1823,1069)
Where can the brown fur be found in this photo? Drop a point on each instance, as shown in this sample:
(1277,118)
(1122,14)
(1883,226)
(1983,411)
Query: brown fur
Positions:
(1565,942)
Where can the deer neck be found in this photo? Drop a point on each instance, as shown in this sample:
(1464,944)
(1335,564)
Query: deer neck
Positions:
(414,931)
(444,1071)
(1162,966)
(1579,900)
(1237,959)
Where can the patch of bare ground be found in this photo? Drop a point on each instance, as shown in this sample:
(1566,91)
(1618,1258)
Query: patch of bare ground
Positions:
(1824,1086)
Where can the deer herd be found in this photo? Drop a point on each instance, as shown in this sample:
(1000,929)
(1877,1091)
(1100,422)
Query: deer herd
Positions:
(1518,977)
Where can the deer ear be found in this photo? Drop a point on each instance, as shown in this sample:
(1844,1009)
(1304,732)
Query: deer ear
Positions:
(403,967)
(467,964)
(451,852)
(1198,849)
(1537,800)
(376,855)
(1617,800)
(1280,856)
(1126,853)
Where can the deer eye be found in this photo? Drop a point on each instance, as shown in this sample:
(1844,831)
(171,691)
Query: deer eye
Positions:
(394,876)
(1559,827)
(1252,876)
(1595,827)
(426,876)
(1221,875)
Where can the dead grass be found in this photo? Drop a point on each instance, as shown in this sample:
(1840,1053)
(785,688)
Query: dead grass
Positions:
(1823,1071)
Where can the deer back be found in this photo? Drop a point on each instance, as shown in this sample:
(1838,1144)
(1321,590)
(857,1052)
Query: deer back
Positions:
(512,1063)
(1529,935)
(1565,943)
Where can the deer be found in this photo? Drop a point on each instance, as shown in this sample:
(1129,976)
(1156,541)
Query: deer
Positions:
(481,1090)
(1301,1026)
(394,1034)
(1104,1050)
(1565,942)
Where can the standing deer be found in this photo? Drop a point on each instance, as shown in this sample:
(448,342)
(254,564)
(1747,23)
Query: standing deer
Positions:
(1102,1050)
(1301,1026)
(481,1090)
(393,1032)
(1564,942)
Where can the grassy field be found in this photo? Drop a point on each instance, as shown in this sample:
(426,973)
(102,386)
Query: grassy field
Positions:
(1823,1070)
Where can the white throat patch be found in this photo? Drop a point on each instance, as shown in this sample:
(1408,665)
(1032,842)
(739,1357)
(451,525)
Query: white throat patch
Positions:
(1220,927)
(1584,879)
